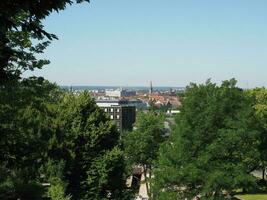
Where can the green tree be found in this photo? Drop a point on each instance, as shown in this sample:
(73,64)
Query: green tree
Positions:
(259,96)
(21,28)
(48,136)
(142,144)
(213,147)
(26,126)
(94,165)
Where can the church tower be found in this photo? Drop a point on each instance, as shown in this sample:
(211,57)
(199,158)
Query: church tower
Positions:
(151,88)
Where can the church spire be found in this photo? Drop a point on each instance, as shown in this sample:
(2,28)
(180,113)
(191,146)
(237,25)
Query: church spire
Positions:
(151,88)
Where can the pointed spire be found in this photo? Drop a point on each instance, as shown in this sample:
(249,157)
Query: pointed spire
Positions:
(151,88)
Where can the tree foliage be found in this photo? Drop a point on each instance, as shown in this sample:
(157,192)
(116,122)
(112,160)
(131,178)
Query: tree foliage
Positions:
(94,161)
(26,126)
(212,149)
(48,136)
(142,144)
(259,96)
(20,30)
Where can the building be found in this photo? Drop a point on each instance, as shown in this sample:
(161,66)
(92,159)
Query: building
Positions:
(119,93)
(120,111)
(139,105)
(114,93)
(165,99)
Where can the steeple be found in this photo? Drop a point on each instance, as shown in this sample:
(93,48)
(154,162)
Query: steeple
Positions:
(151,88)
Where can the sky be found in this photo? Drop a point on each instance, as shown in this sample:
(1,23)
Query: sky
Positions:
(170,42)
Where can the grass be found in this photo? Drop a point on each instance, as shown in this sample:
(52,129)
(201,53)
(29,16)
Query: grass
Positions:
(258,192)
(252,196)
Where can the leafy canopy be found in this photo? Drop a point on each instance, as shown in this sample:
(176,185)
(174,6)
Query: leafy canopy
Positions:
(142,144)
(48,136)
(259,96)
(27,112)
(94,163)
(213,147)
(20,30)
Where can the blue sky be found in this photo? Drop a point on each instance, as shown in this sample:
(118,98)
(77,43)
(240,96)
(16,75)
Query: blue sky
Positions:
(171,42)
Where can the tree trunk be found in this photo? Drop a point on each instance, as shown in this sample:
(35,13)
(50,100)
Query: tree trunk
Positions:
(263,173)
(149,174)
(146,180)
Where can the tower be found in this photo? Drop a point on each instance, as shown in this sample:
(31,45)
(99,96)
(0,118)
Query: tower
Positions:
(151,88)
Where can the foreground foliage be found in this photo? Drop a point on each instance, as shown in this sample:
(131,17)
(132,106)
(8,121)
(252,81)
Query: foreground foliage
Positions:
(142,144)
(50,136)
(259,97)
(89,146)
(26,125)
(213,148)
(23,36)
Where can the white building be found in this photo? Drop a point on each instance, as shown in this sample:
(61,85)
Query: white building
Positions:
(114,93)
(118,93)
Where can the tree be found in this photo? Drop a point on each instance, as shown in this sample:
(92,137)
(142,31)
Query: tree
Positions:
(20,29)
(26,126)
(259,96)
(88,142)
(213,147)
(142,144)
(48,136)
(63,139)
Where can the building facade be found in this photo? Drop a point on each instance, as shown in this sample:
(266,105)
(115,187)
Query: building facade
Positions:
(119,93)
(121,112)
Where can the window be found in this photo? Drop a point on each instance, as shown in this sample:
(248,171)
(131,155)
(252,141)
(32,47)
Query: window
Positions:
(106,110)
(111,109)
(111,117)
(118,116)
(118,110)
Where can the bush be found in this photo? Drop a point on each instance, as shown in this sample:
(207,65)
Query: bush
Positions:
(57,192)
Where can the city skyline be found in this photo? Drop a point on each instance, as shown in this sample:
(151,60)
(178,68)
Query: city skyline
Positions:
(129,43)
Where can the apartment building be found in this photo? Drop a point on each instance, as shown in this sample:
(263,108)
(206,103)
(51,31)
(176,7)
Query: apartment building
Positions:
(121,112)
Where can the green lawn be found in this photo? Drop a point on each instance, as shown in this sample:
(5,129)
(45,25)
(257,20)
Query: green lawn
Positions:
(252,196)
